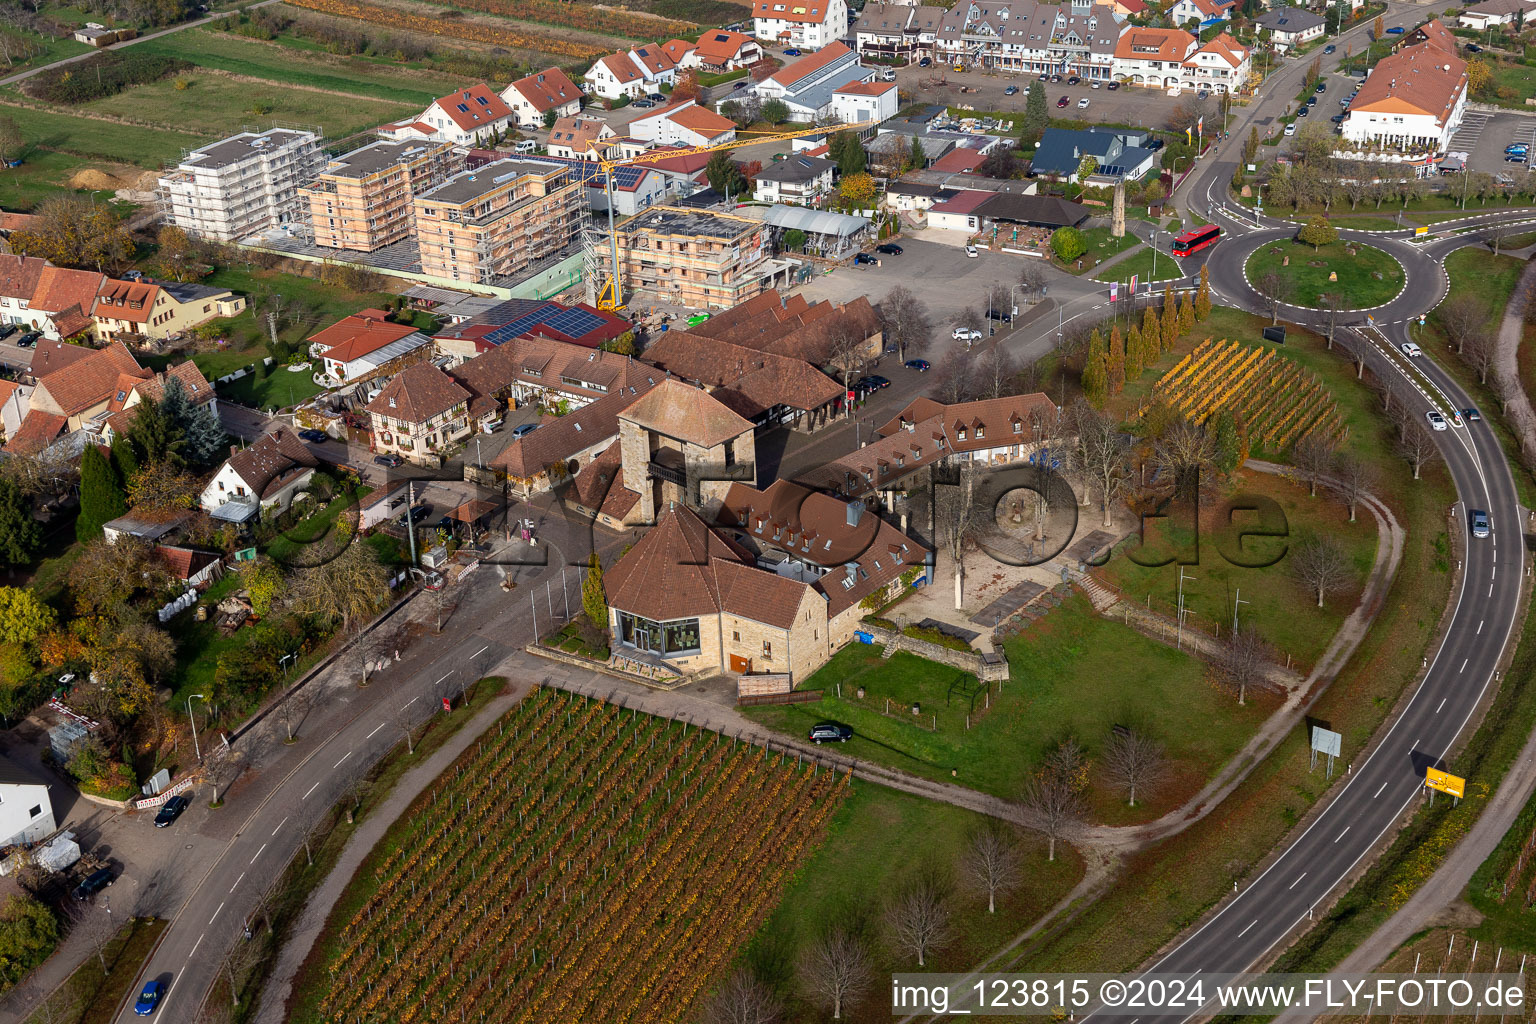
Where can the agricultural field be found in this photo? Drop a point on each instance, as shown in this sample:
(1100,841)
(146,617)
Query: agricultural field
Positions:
(1277,401)
(582,863)
(423,19)
(97,139)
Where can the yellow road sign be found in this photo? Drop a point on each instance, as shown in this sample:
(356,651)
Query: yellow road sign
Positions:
(1421,231)
(1445,782)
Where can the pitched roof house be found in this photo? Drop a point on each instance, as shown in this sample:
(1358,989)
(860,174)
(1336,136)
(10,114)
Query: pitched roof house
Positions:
(66,298)
(69,397)
(531,99)
(266,474)
(468,116)
(1414,99)
(581,136)
(420,414)
(365,344)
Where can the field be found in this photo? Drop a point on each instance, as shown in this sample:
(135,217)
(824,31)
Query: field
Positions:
(581,863)
(106,140)
(1278,403)
(422,19)
(217,104)
(1367,277)
(1071,676)
(273,62)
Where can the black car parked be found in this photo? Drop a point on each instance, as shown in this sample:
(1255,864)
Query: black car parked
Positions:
(830,732)
(888,249)
(171,811)
(93,884)
(314,436)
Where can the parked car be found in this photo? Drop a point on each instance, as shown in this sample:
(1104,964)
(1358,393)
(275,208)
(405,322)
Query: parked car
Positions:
(1093,85)
(920,365)
(1322,86)
(742,83)
(523,430)
(149,998)
(7,330)
(1045,76)
(171,810)
(1479,520)
(1082,103)
(1000,315)
(1153,145)
(1516,147)
(1396,30)
(1290,129)
(1012,90)
(1112,86)
(646,104)
(878,381)
(29,339)
(1303,111)
(925,63)
(1337,119)
(1202,94)
(971,253)
(966,334)
(419,513)
(1062,102)
(1516,158)
(1074,80)
(93,884)
(1056,79)
(889,249)
(1411,350)
(388,460)
(314,436)
(1330,48)
(657,97)
(863,257)
(791,52)
(1472,415)
(830,732)
(1474,48)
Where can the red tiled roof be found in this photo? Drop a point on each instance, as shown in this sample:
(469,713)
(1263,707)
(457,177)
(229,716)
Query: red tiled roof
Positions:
(59,289)
(1225,47)
(19,275)
(1420,79)
(959,161)
(574,432)
(354,336)
(721,46)
(1137,43)
(133,301)
(417,394)
(547,89)
(482,107)
(55,355)
(653,58)
(88,382)
(686,163)
(36,432)
(677,49)
(621,67)
(686,413)
(670,572)
(184,563)
(766,379)
(196,386)
(705,122)
(273,460)
(857,88)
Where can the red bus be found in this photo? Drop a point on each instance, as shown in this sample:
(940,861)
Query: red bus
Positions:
(1195,239)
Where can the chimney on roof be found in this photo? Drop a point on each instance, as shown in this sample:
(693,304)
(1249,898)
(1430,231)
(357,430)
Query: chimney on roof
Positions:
(855,512)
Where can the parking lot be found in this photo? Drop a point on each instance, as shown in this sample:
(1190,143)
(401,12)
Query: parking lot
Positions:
(1485,135)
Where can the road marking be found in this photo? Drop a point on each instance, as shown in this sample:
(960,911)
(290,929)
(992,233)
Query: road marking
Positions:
(1245,930)
(1442,704)
(1479,627)
(199,942)
(440,681)
(375,729)
(343,758)
(258,853)
(1495,574)
(1341,834)
(310,790)
(413,699)
(1297,882)
(281,824)
(216,913)
(237,882)
(1490,590)
(481,651)
(1378,792)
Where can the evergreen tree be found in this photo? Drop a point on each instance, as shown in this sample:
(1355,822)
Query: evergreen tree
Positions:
(594,599)
(1135,354)
(1186,315)
(848,152)
(125,461)
(155,435)
(21,536)
(919,158)
(101,494)
(1151,336)
(1095,378)
(1203,294)
(203,437)
(1170,323)
(1037,117)
(1116,360)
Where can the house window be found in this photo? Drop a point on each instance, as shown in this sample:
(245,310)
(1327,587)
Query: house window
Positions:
(767,650)
(35,811)
(981,432)
(736,635)
(679,636)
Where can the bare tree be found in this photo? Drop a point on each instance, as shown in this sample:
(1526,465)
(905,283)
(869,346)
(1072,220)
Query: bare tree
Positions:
(1354,478)
(1186,452)
(1479,352)
(1102,453)
(1055,807)
(836,968)
(970,320)
(999,373)
(402,715)
(955,380)
(905,320)
(295,708)
(95,927)
(1333,307)
(1133,760)
(1319,563)
(1313,455)
(1417,446)
(1274,289)
(956,519)
(1244,661)
(918,918)
(1505,389)
(846,353)
(220,770)
(1032,277)
(743,998)
(990,862)
(1461,316)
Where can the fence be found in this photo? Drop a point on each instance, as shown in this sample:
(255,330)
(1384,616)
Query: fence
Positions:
(793,697)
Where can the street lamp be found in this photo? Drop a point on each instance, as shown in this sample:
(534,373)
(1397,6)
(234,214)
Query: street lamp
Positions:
(283,661)
(195,748)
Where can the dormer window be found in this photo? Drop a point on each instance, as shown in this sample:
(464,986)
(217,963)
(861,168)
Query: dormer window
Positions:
(981,432)
(1018,426)
(960,434)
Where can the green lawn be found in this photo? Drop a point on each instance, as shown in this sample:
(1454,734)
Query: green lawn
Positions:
(288,546)
(89,996)
(878,841)
(279,388)
(218,105)
(285,66)
(1140,264)
(44,174)
(1101,246)
(1073,673)
(1366,277)
(1367,223)
(81,136)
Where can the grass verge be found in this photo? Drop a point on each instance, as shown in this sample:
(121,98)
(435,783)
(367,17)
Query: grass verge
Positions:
(92,994)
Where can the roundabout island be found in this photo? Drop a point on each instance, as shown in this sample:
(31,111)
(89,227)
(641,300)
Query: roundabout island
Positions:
(1360,276)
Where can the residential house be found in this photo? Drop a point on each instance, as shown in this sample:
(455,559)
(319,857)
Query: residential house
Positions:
(636,187)
(264,475)
(865,103)
(584,137)
(807,86)
(897,32)
(242,185)
(496,220)
(767,388)
(1290,27)
(142,312)
(1153,56)
(632,73)
(1029,37)
(820,333)
(562,448)
(680,52)
(1127,8)
(684,124)
(510,319)
(26,813)
(721,50)
(62,302)
(420,415)
(684,172)
(365,344)
(1221,65)
(71,396)
(974,211)
(1120,154)
(806,24)
(18,283)
(532,99)
(1413,100)
(15,403)
(554,374)
(1202,13)
(697,258)
(1496,12)
(802,180)
(362,200)
(469,117)
(194,386)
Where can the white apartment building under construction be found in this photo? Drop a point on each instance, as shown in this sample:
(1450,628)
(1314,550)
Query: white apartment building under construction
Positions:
(241,185)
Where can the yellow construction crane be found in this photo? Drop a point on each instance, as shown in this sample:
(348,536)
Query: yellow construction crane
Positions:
(611,295)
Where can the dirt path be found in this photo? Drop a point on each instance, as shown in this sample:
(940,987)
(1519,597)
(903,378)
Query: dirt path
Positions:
(1507,358)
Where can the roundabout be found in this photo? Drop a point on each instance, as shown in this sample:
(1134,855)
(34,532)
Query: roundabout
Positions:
(1361,276)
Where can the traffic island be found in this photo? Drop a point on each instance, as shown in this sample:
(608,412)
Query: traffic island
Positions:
(1353,275)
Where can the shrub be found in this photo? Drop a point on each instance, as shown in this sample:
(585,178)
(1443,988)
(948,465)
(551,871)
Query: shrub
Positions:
(101,75)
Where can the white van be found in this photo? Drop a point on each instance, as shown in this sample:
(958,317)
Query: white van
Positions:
(887,74)
(528,146)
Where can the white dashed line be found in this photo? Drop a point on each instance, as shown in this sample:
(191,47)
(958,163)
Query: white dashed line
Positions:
(258,853)
(1479,627)
(310,790)
(281,824)
(1378,792)
(1442,704)
(1341,834)
(1463,665)
(1297,882)
(237,882)
(216,913)
(199,942)
(343,758)
(1246,930)
(481,651)
(375,729)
